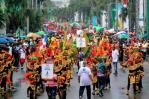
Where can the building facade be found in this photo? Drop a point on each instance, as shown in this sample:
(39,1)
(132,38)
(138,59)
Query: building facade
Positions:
(61,3)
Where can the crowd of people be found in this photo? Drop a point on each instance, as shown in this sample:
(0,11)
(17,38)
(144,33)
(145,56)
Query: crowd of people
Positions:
(95,60)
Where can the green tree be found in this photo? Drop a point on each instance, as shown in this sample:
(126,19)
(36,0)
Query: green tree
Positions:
(15,13)
(2,19)
(87,7)
(2,13)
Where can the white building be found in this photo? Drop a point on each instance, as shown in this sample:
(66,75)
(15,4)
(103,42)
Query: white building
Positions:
(61,3)
(141,12)
(104,19)
(2,31)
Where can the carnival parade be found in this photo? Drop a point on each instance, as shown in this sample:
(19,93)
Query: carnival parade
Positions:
(61,50)
(74,49)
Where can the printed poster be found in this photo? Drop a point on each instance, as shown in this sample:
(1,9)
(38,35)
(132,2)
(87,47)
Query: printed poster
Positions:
(81,42)
(47,71)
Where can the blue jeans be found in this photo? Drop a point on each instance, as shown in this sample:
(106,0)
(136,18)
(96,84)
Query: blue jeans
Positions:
(115,67)
(101,84)
(51,91)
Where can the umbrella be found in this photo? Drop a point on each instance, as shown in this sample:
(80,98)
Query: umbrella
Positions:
(123,36)
(121,32)
(51,32)
(75,24)
(143,35)
(33,35)
(23,36)
(98,28)
(109,31)
(40,33)
(9,39)
(3,40)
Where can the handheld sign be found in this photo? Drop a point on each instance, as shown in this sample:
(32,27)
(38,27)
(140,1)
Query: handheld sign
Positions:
(47,71)
(81,42)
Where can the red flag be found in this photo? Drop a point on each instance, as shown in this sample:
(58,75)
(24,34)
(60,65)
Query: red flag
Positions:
(125,1)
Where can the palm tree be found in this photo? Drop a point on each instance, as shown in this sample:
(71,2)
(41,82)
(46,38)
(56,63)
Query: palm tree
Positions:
(2,19)
(15,12)
(18,11)
(89,8)
(2,14)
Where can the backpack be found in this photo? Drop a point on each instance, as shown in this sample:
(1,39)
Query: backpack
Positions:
(101,68)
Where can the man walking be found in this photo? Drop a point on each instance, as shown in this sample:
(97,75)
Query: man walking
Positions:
(85,80)
(115,55)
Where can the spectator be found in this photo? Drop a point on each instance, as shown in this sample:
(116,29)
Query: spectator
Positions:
(85,80)
(22,57)
(115,55)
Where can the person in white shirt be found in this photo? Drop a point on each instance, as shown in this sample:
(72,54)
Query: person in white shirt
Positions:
(10,49)
(115,57)
(22,56)
(85,80)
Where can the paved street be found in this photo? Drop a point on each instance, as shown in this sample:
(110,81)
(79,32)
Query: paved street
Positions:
(57,33)
(117,91)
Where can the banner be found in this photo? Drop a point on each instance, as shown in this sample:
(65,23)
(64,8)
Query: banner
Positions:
(94,20)
(18,32)
(81,42)
(47,71)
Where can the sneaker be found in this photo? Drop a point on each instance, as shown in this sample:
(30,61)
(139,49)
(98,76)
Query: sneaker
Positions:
(127,93)
(80,97)
(116,74)
(139,91)
(93,93)
(28,96)
(109,86)
(100,94)
(22,68)
(105,88)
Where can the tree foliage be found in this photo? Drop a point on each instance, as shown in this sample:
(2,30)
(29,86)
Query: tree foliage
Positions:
(87,7)
(2,14)
(16,11)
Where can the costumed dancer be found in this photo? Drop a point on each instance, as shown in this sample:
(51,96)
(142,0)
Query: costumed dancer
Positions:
(95,83)
(101,75)
(6,71)
(32,89)
(136,72)
(108,71)
(33,74)
(61,80)
(51,83)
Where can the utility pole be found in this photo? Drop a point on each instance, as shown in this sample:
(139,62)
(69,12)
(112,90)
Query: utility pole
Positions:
(32,4)
(143,15)
(116,22)
(27,18)
(132,15)
(137,16)
(147,11)
(36,4)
